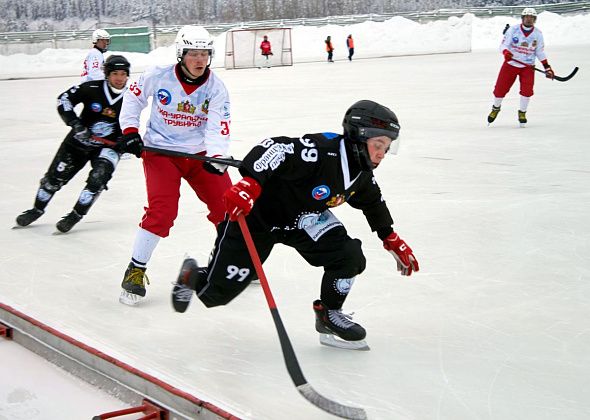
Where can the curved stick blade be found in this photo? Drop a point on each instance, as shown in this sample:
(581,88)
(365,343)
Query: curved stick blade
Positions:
(332,407)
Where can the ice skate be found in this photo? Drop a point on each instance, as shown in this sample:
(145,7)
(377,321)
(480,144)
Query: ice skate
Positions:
(337,329)
(522,118)
(182,292)
(493,114)
(28,216)
(133,285)
(68,221)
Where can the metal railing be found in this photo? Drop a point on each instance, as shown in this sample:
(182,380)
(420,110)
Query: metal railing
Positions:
(217,28)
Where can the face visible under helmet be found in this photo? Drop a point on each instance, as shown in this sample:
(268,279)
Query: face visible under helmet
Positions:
(367,119)
(193,38)
(116,62)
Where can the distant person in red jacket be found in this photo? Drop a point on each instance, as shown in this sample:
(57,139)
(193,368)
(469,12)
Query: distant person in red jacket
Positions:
(329,48)
(266,50)
(350,46)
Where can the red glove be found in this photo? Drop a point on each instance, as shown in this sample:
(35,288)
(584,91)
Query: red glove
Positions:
(549,74)
(406,262)
(507,55)
(239,199)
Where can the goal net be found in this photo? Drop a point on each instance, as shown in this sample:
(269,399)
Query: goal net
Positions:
(242,48)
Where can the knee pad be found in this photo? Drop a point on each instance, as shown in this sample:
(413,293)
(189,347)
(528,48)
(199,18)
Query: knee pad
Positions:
(100,175)
(352,253)
(50,184)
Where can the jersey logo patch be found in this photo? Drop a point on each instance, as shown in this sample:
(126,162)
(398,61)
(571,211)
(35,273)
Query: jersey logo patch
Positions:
(273,157)
(96,107)
(164,97)
(321,192)
(205,106)
(109,112)
(186,106)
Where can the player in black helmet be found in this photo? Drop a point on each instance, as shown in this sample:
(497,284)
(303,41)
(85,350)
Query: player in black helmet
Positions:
(288,187)
(98,120)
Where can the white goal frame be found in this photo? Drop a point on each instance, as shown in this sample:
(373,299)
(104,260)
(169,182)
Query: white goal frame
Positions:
(242,48)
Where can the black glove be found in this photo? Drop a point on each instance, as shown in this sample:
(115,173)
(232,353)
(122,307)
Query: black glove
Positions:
(80,133)
(216,168)
(130,143)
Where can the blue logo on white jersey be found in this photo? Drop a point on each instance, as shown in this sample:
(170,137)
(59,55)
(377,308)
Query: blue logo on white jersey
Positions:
(321,192)
(515,40)
(96,107)
(164,97)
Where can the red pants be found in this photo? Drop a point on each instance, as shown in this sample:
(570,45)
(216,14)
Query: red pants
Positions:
(507,76)
(162,178)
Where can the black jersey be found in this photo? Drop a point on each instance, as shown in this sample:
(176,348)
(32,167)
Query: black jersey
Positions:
(303,177)
(101,108)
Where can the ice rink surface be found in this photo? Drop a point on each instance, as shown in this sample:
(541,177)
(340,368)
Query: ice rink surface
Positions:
(494,326)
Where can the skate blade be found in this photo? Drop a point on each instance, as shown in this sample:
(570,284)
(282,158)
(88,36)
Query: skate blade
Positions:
(130,299)
(522,125)
(332,341)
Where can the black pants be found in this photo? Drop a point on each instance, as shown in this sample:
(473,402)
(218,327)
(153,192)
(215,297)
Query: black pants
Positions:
(67,162)
(350,53)
(231,268)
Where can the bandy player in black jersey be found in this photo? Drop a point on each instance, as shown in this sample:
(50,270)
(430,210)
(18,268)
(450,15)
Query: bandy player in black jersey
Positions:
(288,187)
(97,125)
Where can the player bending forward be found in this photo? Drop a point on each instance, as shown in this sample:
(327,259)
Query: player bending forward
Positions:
(99,118)
(288,187)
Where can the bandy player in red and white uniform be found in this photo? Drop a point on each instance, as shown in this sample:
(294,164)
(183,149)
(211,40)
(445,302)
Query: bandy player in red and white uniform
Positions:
(94,61)
(524,43)
(190,113)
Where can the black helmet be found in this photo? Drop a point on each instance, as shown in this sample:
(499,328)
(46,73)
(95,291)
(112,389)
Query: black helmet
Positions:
(364,120)
(116,62)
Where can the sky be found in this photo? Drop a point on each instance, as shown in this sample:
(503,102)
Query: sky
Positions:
(494,326)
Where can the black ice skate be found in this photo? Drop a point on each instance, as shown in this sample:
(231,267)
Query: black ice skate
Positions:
(522,118)
(337,329)
(183,289)
(133,285)
(68,221)
(28,216)
(493,114)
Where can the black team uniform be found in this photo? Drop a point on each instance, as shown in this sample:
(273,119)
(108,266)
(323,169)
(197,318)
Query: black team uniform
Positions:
(99,118)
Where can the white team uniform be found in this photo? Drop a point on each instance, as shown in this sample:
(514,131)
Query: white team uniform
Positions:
(189,123)
(93,66)
(524,48)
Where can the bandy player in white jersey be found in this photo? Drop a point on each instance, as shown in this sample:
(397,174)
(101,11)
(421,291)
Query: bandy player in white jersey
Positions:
(94,61)
(191,114)
(523,42)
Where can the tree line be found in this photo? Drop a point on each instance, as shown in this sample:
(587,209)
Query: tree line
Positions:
(47,15)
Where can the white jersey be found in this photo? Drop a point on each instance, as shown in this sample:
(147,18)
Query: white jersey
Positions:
(189,123)
(93,66)
(524,48)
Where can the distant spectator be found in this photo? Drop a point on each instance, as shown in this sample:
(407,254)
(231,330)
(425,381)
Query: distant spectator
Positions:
(329,48)
(350,46)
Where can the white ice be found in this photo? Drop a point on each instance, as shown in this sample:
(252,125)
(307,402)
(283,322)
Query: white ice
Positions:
(494,326)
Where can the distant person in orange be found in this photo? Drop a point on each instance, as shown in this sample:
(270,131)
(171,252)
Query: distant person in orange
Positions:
(329,48)
(266,50)
(350,46)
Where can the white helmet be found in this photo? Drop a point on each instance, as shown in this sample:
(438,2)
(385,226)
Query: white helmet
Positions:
(529,11)
(100,34)
(193,38)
